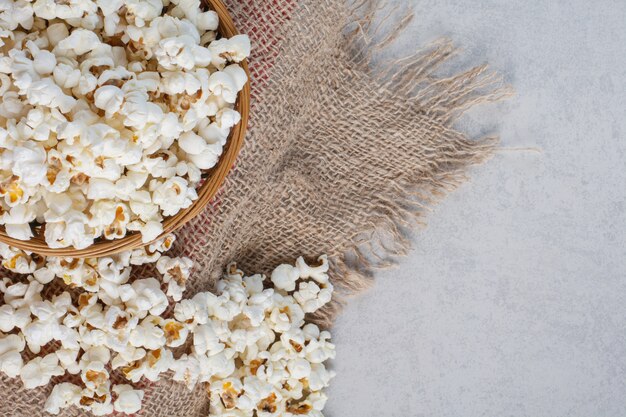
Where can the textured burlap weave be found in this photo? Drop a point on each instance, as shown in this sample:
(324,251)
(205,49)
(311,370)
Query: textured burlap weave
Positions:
(342,156)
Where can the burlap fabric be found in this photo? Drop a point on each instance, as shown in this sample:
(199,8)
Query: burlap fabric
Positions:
(342,156)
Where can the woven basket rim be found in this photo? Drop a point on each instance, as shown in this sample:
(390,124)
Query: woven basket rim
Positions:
(206,192)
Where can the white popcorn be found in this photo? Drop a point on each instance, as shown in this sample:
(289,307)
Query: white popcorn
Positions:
(16,13)
(318,273)
(204,21)
(172,195)
(208,157)
(38,333)
(144,10)
(124,101)
(224,86)
(143,296)
(11,318)
(16,222)
(175,333)
(186,370)
(30,163)
(20,294)
(44,62)
(235,49)
(148,334)
(95,354)
(128,399)
(127,356)
(79,42)
(311,297)
(181,52)
(150,230)
(97,402)
(206,340)
(192,143)
(62,396)
(68,360)
(175,272)
(299,368)
(119,324)
(46,93)
(19,261)
(38,371)
(285,276)
(109,98)
(94,375)
(11,361)
(56,32)
(151,367)
(320,377)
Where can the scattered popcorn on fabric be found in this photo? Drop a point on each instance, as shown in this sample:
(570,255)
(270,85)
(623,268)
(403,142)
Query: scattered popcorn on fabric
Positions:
(109,110)
(249,343)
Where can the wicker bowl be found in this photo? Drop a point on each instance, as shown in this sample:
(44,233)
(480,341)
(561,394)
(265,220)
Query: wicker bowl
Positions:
(213,178)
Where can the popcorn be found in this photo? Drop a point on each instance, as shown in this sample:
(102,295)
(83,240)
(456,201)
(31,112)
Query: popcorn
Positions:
(18,261)
(46,93)
(16,222)
(79,42)
(250,342)
(204,21)
(94,375)
(68,360)
(175,333)
(62,396)
(285,276)
(186,370)
(38,333)
(38,371)
(143,296)
(11,318)
(44,62)
(123,101)
(181,52)
(16,13)
(109,98)
(128,399)
(29,163)
(99,402)
(56,32)
(175,272)
(276,375)
(311,297)
(143,11)
(118,325)
(172,195)
(151,367)
(224,86)
(235,49)
(148,334)
(11,361)
(206,340)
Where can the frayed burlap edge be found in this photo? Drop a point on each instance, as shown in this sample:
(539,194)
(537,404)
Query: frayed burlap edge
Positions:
(412,78)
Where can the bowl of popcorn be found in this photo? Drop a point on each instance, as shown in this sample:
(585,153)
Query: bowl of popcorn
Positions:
(119,120)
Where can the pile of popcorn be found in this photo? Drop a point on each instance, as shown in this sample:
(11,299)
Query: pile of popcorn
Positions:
(250,344)
(109,112)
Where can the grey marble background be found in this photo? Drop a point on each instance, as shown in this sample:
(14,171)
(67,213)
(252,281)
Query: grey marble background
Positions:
(513,302)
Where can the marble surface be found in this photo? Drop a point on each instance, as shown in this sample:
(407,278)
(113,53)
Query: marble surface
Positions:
(513,302)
